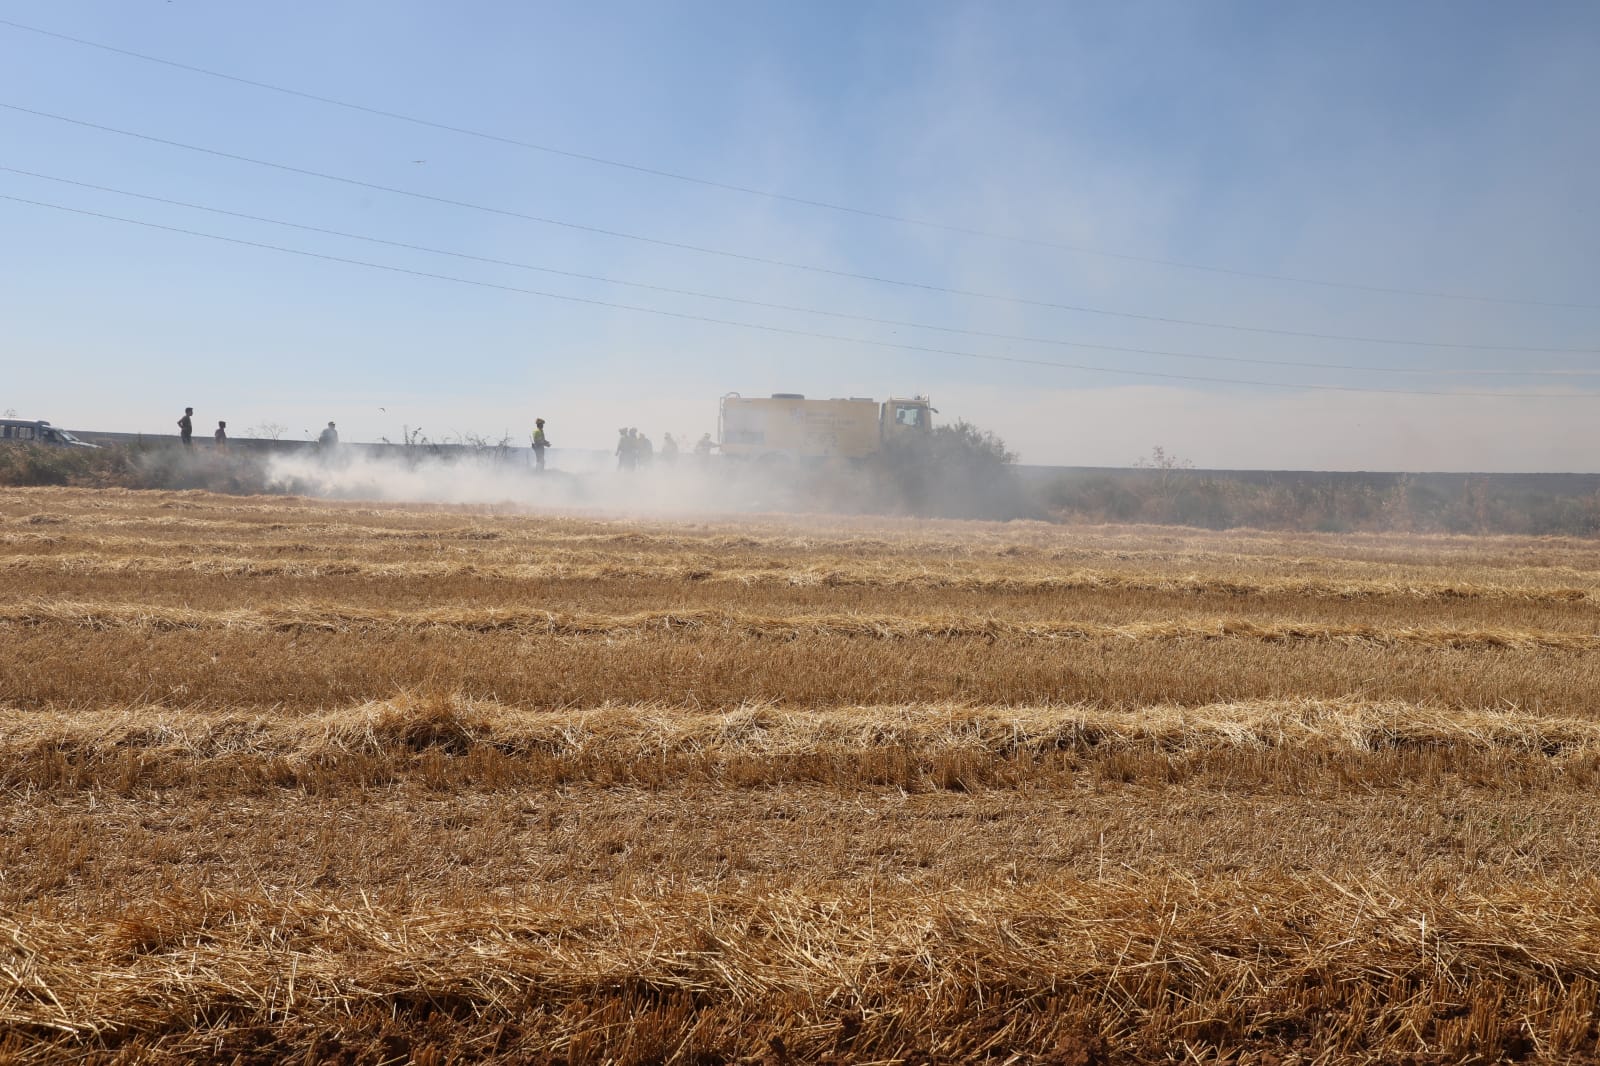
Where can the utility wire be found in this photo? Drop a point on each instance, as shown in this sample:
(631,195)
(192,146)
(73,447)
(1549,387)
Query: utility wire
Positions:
(1446,371)
(862,212)
(879,279)
(786,331)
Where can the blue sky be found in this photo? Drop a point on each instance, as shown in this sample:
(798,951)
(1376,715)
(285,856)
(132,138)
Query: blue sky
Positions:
(1439,147)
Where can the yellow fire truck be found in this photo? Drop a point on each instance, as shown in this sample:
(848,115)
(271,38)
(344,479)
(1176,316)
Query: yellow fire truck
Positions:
(787,425)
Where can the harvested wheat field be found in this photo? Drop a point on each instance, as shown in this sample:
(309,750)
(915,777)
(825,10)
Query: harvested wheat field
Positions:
(293,780)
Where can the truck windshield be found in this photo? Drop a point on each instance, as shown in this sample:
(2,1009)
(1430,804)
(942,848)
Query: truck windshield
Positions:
(908,416)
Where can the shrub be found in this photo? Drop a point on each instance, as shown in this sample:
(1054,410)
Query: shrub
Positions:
(958,471)
(133,466)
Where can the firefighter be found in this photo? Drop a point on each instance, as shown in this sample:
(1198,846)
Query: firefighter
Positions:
(329,438)
(625,452)
(540,443)
(186,426)
(669,449)
(221,436)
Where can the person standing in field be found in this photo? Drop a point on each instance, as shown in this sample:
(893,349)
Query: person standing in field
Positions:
(669,449)
(328,438)
(221,436)
(186,426)
(643,451)
(625,452)
(702,447)
(540,443)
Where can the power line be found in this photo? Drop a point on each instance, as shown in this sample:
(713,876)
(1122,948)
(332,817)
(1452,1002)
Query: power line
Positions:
(1448,371)
(784,330)
(743,257)
(862,212)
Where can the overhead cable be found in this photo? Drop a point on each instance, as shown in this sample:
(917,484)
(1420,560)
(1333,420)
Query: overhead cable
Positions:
(785,330)
(772,306)
(969,231)
(787,264)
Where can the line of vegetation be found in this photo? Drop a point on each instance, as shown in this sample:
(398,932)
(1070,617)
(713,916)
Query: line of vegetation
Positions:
(134,466)
(969,473)
(1163,489)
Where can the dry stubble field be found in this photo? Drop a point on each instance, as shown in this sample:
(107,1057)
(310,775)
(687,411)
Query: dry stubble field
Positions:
(290,779)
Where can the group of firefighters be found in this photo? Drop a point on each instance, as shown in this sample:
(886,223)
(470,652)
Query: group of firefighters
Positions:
(635,450)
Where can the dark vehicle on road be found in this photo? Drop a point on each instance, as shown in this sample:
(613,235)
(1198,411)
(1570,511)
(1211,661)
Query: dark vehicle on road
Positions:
(25,431)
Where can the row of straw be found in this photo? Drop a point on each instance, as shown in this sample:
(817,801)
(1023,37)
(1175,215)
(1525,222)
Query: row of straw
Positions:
(1353,971)
(1312,725)
(886,576)
(349,618)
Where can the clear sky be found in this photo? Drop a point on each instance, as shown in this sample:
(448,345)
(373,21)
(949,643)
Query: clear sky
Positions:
(1440,147)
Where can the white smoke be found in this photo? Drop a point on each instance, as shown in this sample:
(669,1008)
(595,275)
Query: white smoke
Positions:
(586,481)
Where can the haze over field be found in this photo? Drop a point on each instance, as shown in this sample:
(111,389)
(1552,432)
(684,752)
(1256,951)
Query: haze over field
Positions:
(1174,172)
(587,482)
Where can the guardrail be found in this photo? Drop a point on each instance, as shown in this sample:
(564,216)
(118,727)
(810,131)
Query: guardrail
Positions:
(518,453)
(1555,484)
(265,445)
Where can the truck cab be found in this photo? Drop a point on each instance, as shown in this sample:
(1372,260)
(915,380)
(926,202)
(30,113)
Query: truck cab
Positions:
(906,419)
